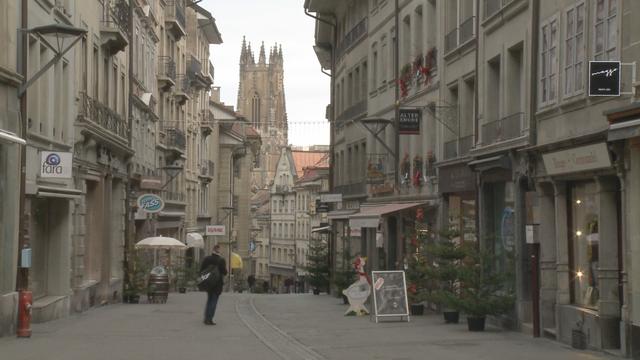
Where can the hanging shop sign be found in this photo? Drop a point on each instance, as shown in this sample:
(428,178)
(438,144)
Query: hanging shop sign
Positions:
(604,78)
(215,230)
(590,157)
(409,122)
(453,179)
(56,164)
(322,207)
(150,203)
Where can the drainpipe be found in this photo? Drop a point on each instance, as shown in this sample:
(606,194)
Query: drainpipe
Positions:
(22,276)
(396,122)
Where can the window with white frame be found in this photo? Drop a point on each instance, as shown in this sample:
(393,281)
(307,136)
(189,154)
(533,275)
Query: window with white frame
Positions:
(606,30)
(574,50)
(548,61)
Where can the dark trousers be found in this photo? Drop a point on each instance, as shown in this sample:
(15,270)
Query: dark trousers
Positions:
(210,308)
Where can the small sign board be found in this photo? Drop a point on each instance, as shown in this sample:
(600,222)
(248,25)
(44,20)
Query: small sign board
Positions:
(150,203)
(56,164)
(322,207)
(604,78)
(252,246)
(215,230)
(330,198)
(409,122)
(390,294)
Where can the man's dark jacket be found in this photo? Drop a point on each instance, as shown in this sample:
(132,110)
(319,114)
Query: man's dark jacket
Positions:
(215,260)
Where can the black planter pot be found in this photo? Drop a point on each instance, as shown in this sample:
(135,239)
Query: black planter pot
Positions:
(417,309)
(451,317)
(475,323)
(345,299)
(316,291)
(182,290)
(578,339)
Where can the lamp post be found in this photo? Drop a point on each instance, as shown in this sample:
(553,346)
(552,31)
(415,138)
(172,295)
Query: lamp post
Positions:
(228,211)
(60,32)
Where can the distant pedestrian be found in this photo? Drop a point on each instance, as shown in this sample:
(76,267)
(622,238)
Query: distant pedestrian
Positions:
(265,287)
(251,280)
(213,261)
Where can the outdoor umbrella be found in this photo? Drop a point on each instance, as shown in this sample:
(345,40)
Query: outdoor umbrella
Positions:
(159,242)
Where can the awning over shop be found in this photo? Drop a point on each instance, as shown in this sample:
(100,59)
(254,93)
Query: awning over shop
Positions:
(369,216)
(321,229)
(58,192)
(624,130)
(340,214)
(195,240)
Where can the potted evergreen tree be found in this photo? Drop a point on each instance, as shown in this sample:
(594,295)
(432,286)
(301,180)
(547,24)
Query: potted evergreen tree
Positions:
(445,255)
(483,290)
(318,265)
(416,265)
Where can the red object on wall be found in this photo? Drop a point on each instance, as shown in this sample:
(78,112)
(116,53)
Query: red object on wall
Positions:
(25,302)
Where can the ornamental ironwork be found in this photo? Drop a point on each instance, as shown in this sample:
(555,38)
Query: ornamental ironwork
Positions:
(91,110)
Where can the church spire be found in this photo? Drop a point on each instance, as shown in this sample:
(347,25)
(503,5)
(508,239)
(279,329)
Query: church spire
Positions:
(243,52)
(250,58)
(262,60)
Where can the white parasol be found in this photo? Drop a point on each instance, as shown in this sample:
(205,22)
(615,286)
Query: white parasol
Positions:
(160,242)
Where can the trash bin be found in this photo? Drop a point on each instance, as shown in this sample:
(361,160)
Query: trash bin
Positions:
(158,285)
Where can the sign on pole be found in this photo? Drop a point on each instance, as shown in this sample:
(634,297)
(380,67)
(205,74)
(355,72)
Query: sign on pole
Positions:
(604,78)
(390,294)
(56,164)
(215,230)
(150,203)
(330,198)
(409,122)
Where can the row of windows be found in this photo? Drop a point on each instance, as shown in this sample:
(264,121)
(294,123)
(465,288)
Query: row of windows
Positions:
(286,256)
(286,230)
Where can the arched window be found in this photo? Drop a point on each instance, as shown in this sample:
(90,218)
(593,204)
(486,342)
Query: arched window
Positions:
(255,110)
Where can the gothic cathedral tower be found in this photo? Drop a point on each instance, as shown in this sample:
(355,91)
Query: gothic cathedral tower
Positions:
(261,100)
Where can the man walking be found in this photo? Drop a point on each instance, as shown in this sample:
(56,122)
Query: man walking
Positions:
(211,261)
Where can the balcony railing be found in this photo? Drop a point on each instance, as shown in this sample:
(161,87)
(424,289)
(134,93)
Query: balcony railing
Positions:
(358,188)
(466,143)
(93,111)
(207,168)
(458,148)
(507,128)
(115,13)
(353,111)
(212,70)
(467,29)
(173,196)
(175,9)
(167,67)
(493,6)
(352,37)
(194,67)
(451,149)
(451,40)
(175,139)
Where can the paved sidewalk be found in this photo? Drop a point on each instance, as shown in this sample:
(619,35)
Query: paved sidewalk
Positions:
(268,327)
(318,322)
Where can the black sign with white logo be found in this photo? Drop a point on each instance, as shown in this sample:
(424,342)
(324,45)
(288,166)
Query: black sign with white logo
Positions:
(604,78)
(321,207)
(409,121)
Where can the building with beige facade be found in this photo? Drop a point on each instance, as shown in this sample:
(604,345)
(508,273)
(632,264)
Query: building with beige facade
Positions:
(511,143)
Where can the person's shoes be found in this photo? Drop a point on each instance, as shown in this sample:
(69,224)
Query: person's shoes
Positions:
(209,322)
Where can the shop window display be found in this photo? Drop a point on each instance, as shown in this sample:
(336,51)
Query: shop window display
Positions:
(462,216)
(584,241)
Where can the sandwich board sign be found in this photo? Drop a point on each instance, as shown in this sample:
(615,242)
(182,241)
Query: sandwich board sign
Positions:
(390,294)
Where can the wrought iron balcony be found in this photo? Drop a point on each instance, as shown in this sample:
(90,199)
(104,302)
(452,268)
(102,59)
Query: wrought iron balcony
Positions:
(466,144)
(507,128)
(175,19)
(451,41)
(352,37)
(166,72)
(458,148)
(173,196)
(354,111)
(451,149)
(114,27)
(182,88)
(194,71)
(101,121)
(207,169)
(207,123)
(467,29)
(353,189)
(174,139)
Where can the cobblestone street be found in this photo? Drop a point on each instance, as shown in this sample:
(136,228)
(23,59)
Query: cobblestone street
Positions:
(267,327)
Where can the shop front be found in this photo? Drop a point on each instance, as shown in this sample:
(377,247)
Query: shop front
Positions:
(457,186)
(9,193)
(582,190)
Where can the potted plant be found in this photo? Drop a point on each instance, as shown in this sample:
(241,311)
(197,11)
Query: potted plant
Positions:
(137,270)
(417,264)
(318,267)
(445,255)
(483,290)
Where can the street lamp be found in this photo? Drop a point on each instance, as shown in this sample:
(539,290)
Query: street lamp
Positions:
(60,32)
(172,171)
(375,126)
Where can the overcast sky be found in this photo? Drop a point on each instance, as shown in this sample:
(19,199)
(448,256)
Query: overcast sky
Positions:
(271,21)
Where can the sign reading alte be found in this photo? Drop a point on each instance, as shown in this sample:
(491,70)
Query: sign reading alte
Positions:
(409,122)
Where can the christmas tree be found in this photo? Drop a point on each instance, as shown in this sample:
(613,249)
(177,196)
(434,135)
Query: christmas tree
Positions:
(318,265)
